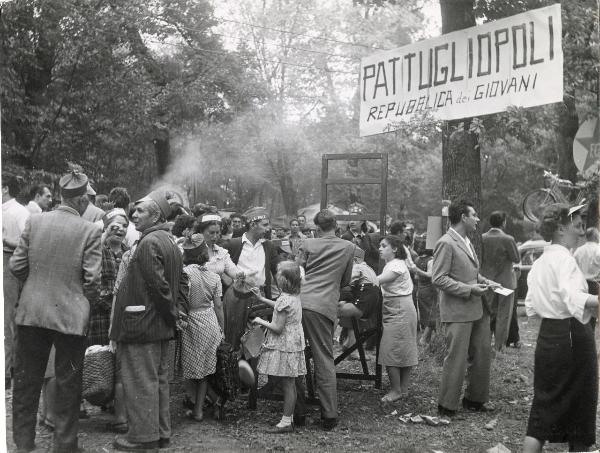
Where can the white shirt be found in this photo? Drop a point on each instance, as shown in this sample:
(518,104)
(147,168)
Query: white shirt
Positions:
(467,242)
(33,207)
(252,260)
(556,287)
(588,259)
(14,216)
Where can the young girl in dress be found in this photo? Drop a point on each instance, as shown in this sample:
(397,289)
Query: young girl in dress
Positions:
(283,350)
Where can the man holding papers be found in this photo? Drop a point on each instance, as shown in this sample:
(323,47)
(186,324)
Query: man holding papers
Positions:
(467,324)
(498,255)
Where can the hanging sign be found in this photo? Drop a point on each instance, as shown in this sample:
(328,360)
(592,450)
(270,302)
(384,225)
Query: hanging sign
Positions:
(515,61)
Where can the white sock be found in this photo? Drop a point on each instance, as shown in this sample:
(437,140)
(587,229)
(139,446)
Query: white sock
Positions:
(285,421)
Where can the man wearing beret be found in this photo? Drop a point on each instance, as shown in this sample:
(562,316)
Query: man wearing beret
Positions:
(147,306)
(54,309)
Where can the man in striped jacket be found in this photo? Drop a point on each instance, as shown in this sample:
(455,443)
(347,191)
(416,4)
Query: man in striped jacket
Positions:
(148,301)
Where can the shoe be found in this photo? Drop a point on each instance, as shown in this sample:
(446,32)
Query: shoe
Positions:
(328,423)
(285,429)
(517,345)
(46,424)
(118,428)
(164,442)
(299,420)
(477,406)
(444,412)
(123,444)
(25,449)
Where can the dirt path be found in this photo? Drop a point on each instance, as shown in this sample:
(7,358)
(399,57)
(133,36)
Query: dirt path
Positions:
(365,425)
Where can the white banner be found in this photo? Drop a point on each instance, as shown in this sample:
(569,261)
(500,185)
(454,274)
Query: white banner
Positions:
(515,61)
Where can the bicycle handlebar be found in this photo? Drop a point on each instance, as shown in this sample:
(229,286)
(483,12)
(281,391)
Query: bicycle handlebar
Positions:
(557,180)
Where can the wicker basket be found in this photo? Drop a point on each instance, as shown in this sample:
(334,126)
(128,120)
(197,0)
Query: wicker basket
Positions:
(98,375)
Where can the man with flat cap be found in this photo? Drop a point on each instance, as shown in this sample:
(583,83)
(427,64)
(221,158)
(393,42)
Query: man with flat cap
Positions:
(53,310)
(147,307)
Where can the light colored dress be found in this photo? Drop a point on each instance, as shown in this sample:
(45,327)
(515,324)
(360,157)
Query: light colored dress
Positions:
(202,336)
(399,339)
(283,354)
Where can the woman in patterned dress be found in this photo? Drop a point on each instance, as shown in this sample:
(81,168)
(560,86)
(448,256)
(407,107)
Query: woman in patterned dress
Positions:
(282,353)
(204,331)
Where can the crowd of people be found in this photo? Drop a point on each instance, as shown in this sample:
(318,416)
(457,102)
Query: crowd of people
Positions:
(136,276)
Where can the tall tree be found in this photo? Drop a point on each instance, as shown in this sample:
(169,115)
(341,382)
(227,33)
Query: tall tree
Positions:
(461,159)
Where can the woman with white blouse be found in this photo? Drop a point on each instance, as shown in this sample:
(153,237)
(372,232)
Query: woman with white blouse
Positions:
(219,260)
(398,349)
(565,381)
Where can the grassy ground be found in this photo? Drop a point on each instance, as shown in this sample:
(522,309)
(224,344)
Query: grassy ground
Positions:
(365,425)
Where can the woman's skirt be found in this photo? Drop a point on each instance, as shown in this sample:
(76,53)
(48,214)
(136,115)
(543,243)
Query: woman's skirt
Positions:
(428,306)
(399,340)
(199,343)
(565,383)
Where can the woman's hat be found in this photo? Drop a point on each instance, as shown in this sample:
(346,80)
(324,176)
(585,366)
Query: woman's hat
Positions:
(192,246)
(211,218)
(109,216)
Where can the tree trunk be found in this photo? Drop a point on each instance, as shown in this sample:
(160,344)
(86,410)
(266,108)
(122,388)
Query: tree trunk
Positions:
(568,123)
(461,161)
(162,148)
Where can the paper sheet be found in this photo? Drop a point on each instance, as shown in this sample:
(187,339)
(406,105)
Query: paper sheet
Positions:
(503,291)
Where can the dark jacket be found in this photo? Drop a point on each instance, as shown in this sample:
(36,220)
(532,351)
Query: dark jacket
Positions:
(155,280)
(234,247)
(499,253)
(369,242)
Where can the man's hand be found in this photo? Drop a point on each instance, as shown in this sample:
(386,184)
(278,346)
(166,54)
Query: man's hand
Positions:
(479,289)
(493,285)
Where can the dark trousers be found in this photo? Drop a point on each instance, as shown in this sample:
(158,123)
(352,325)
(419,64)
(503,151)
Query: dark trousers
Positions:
(33,349)
(318,330)
(513,330)
(12,288)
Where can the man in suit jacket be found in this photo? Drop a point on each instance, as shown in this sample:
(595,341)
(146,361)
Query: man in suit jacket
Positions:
(327,261)
(368,242)
(58,259)
(499,254)
(252,253)
(456,274)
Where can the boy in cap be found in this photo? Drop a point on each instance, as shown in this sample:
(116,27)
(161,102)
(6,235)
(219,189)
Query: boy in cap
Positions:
(56,314)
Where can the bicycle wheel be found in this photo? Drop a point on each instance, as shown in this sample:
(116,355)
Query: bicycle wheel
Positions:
(536,201)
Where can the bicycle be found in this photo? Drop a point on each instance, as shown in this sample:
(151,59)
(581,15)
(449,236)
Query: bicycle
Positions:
(560,191)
